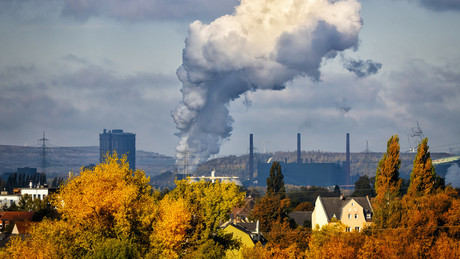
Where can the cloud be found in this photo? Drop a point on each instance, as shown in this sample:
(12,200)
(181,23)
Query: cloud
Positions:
(440,5)
(142,10)
(83,101)
(361,68)
(263,46)
(36,11)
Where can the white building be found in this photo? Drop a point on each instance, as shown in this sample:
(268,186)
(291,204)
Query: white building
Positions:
(8,199)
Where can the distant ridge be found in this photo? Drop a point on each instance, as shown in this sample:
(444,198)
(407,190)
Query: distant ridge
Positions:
(63,160)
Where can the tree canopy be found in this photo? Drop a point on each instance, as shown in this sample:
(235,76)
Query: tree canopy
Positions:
(275,182)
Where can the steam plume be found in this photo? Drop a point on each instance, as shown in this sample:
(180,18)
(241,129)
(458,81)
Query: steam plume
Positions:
(263,45)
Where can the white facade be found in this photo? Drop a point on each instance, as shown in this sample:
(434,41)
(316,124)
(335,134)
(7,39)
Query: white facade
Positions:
(319,217)
(35,193)
(9,199)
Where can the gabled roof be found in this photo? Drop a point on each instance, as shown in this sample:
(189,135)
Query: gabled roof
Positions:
(364,202)
(17,215)
(300,216)
(333,205)
(21,227)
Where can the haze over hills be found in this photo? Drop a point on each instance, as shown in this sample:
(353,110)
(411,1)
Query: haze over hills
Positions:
(62,160)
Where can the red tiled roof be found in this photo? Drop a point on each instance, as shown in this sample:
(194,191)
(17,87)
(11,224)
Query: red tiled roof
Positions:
(17,215)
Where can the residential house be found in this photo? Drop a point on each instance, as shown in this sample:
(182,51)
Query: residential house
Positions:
(354,212)
(247,233)
(241,214)
(10,217)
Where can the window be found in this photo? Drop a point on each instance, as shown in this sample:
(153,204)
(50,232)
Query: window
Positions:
(352,204)
(348,229)
(356,216)
(349,216)
(368,216)
(357,228)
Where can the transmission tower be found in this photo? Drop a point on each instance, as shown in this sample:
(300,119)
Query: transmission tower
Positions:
(43,152)
(415,138)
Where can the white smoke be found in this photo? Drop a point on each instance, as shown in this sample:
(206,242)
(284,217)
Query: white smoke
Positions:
(263,45)
(453,175)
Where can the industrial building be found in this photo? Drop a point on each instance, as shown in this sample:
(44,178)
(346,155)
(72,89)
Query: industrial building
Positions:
(306,174)
(123,143)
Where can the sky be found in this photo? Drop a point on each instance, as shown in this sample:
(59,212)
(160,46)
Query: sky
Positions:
(71,68)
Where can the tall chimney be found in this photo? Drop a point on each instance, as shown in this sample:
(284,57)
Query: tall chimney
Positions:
(251,158)
(347,165)
(299,157)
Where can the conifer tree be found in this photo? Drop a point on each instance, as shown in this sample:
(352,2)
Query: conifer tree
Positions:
(387,184)
(422,178)
(275,182)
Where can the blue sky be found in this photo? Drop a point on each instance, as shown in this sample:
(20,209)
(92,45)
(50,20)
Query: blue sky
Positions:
(74,67)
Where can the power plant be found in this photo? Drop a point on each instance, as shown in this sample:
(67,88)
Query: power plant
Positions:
(307,174)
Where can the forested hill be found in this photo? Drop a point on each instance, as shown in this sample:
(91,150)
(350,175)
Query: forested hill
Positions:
(62,160)
(361,163)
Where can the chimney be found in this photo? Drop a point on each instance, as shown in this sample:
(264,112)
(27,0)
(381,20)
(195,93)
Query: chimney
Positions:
(299,158)
(251,158)
(347,165)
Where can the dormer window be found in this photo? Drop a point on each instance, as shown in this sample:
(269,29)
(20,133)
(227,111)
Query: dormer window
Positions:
(368,216)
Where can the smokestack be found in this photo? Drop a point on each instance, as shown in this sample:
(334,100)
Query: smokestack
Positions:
(299,158)
(347,165)
(251,158)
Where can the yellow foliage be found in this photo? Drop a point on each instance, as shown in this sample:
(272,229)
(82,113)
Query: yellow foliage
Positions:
(171,227)
(109,199)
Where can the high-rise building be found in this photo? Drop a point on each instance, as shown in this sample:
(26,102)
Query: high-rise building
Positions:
(123,143)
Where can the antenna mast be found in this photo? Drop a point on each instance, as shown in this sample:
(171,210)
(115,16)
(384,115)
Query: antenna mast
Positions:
(43,152)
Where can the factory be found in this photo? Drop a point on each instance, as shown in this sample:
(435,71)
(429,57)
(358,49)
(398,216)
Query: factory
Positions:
(303,173)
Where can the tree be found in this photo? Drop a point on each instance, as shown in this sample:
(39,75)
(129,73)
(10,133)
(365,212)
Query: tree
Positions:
(422,178)
(387,184)
(363,187)
(100,206)
(209,205)
(270,209)
(275,182)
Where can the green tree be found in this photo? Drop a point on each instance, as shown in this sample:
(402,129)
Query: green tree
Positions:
(422,178)
(363,187)
(387,185)
(275,182)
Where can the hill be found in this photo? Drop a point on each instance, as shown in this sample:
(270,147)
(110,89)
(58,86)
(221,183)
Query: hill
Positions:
(360,163)
(62,160)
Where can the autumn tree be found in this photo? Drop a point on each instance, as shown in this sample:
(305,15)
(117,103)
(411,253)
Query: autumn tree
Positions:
(209,205)
(275,182)
(387,185)
(422,178)
(109,205)
(270,209)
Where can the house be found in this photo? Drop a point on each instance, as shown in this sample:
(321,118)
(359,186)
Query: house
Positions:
(247,233)
(354,212)
(10,217)
(7,199)
(242,213)
(37,192)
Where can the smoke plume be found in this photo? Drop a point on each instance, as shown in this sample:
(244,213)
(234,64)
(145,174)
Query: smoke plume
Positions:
(453,175)
(263,45)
